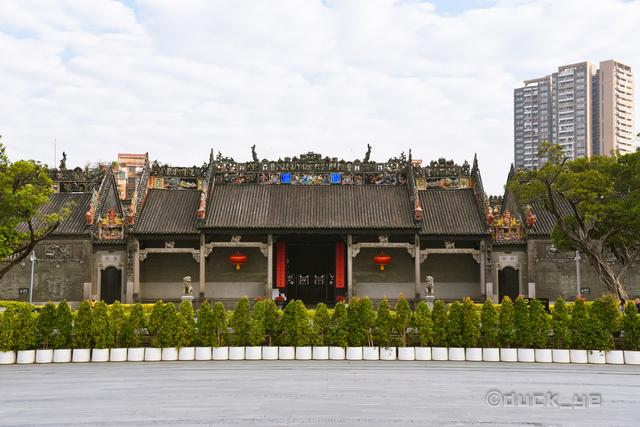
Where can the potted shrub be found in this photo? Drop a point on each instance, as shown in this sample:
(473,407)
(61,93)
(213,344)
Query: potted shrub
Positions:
(337,334)
(83,333)
(454,332)
(253,351)
(578,332)
(613,322)
(117,327)
(631,328)
(357,334)
(45,327)
(367,316)
(383,331)
(219,335)
(7,329)
(270,314)
(471,331)
(25,334)
(62,338)
(540,328)
(489,332)
(154,353)
(602,316)
(294,330)
(186,331)
(102,338)
(421,322)
(507,331)
(560,327)
(168,337)
(439,350)
(241,325)
(133,330)
(204,331)
(303,341)
(523,331)
(321,323)
(402,323)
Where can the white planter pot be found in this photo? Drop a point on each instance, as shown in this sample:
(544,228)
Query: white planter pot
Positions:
(388,353)
(370,353)
(615,357)
(203,353)
(423,353)
(473,354)
(62,355)
(286,353)
(456,354)
(406,353)
(152,354)
(526,355)
(491,354)
(26,356)
(543,355)
(81,355)
(222,353)
(508,355)
(439,353)
(118,355)
(270,352)
(336,353)
(236,353)
(596,356)
(303,353)
(253,353)
(44,356)
(7,357)
(187,353)
(578,356)
(354,353)
(632,357)
(135,354)
(560,355)
(169,354)
(320,353)
(100,355)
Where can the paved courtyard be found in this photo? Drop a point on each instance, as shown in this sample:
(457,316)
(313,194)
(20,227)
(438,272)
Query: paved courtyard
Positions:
(319,393)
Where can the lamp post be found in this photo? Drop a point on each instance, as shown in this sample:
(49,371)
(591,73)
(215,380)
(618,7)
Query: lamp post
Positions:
(32,258)
(577,259)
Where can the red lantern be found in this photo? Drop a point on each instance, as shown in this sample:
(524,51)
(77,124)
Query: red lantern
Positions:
(238,259)
(381,260)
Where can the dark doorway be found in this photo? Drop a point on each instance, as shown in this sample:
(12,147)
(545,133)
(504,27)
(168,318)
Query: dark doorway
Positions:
(110,285)
(311,272)
(508,283)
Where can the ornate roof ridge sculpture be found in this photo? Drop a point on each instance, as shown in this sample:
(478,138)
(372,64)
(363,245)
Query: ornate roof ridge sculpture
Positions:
(76,180)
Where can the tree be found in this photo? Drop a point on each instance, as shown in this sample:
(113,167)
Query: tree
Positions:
(295,326)
(470,324)
(321,323)
(100,326)
(241,323)
(383,330)
(439,316)
(219,325)
(489,325)
(540,325)
(631,327)
(507,331)
(522,323)
(596,206)
(45,325)
(117,325)
(24,337)
(454,325)
(24,188)
(134,326)
(423,324)
(403,318)
(560,324)
(7,329)
(338,327)
(579,325)
(204,325)
(82,326)
(187,324)
(603,316)
(64,325)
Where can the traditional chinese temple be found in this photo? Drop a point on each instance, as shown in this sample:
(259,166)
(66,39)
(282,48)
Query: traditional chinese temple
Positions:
(310,227)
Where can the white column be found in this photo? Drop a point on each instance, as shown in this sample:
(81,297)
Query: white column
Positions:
(532,290)
(416,263)
(202,265)
(350,285)
(136,270)
(483,266)
(269,284)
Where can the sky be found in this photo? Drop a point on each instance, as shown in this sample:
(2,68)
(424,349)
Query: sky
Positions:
(179,78)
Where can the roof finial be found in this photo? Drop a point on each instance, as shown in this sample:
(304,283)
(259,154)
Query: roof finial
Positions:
(367,154)
(254,155)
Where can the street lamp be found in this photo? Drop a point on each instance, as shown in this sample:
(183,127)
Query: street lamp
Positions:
(32,258)
(577,259)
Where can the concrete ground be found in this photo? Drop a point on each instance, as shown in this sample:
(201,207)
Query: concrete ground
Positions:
(319,393)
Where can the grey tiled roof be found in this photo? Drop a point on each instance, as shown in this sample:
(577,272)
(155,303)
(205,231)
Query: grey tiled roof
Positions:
(169,212)
(74,224)
(310,207)
(451,212)
(546,220)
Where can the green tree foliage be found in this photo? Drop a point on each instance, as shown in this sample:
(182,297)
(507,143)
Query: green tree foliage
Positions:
(367,316)
(134,326)
(631,327)
(204,325)
(439,317)
(579,326)
(489,325)
(383,330)
(102,337)
(540,324)
(117,325)
(187,325)
(321,324)
(596,204)
(506,323)
(403,319)
(7,329)
(166,325)
(423,324)
(24,188)
(241,323)
(295,326)
(560,324)
(357,335)
(83,326)
(64,326)
(470,324)
(219,325)
(454,325)
(257,330)
(24,337)
(46,325)
(522,323)
(603,317)
(338,327)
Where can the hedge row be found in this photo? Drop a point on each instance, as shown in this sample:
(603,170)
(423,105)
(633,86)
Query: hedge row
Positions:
(460,324)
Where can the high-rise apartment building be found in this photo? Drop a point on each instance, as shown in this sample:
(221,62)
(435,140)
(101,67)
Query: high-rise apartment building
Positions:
(127,170)
(585,110)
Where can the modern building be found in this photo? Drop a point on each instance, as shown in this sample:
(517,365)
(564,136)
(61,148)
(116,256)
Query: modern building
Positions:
(128,170)
(585,110)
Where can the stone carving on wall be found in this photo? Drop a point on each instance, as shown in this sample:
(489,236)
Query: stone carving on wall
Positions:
(58,252)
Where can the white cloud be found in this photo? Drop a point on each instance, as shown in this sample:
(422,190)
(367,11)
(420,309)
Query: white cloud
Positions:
(177,78)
